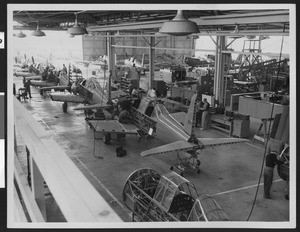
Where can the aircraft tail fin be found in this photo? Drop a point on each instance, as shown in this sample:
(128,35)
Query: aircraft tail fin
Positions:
(190,119)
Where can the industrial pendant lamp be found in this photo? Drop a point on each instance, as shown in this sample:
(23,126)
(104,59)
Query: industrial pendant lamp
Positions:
(21,35)
(38,31)
(179,26)
(250,36)
(76,29)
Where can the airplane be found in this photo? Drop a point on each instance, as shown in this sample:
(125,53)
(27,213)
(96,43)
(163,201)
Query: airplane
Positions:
(87,91)
(61,83)
(33,71)
(132,62)
(151,197)
(177,130)
(197,62)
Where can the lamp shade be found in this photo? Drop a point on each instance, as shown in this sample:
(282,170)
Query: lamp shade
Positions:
(250,36)
(179,26)
(38,31)
(21,35)
(76,29)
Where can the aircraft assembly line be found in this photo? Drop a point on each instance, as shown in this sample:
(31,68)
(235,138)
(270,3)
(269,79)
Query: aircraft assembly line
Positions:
(149,127)
(224,175)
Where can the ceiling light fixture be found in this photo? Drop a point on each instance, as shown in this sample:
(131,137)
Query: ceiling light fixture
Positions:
(263,37)
(76,29)
(21,35)
(250,36)
(38,31)
(179,26)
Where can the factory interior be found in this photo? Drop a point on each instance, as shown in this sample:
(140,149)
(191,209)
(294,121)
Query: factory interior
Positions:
(150,115)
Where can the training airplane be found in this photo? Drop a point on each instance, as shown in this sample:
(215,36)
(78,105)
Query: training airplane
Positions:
(152,118)
(87,91)
(132,62)
(60,83)
(197,62)
(33,72)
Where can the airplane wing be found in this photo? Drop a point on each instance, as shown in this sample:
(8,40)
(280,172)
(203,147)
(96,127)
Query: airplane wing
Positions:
(113,126)
(187,146)
(66,97)
(212,142)
(170,147)
(25,74)
(36,77)
(117,94)
(42,83)
(93,107)
(55,88)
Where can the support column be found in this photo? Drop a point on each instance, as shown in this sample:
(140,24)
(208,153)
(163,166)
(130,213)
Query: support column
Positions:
(219,71)
(111,55)
(151,62)
(37,184)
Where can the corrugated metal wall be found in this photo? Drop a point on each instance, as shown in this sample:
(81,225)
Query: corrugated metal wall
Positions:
(95,46)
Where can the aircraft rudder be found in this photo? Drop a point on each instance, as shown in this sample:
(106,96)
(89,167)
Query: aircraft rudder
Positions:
(190,119)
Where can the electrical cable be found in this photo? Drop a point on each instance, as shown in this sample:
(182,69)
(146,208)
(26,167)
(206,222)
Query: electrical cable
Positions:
(268,136)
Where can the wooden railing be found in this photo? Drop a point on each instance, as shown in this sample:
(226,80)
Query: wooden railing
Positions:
(76,197)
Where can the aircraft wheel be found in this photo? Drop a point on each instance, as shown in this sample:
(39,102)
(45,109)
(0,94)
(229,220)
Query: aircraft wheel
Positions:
(171,168)
(65,107)
(198,162)
(107,138)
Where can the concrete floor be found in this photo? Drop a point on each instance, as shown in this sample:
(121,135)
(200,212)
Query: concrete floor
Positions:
(229,173)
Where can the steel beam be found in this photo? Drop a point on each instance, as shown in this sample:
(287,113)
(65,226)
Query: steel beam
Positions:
(151,62)
(250,18)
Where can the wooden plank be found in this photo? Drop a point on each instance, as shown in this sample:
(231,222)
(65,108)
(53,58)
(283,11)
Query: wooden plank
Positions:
(78,200)
(31,205)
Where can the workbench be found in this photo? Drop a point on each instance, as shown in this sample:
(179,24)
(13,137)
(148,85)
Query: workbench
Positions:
(222,122)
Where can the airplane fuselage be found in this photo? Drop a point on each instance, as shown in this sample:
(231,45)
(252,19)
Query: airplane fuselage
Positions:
(168,129)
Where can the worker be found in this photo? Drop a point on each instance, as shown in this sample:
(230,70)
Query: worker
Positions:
(135,92)
(64,69)
(130,87)
(199,105)
(205,114)
(271,161)
(27,88)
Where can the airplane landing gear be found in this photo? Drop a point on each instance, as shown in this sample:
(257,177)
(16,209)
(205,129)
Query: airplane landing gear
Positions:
(65,107)
(186,161)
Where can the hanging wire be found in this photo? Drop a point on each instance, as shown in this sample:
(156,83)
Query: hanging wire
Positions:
(269,129)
